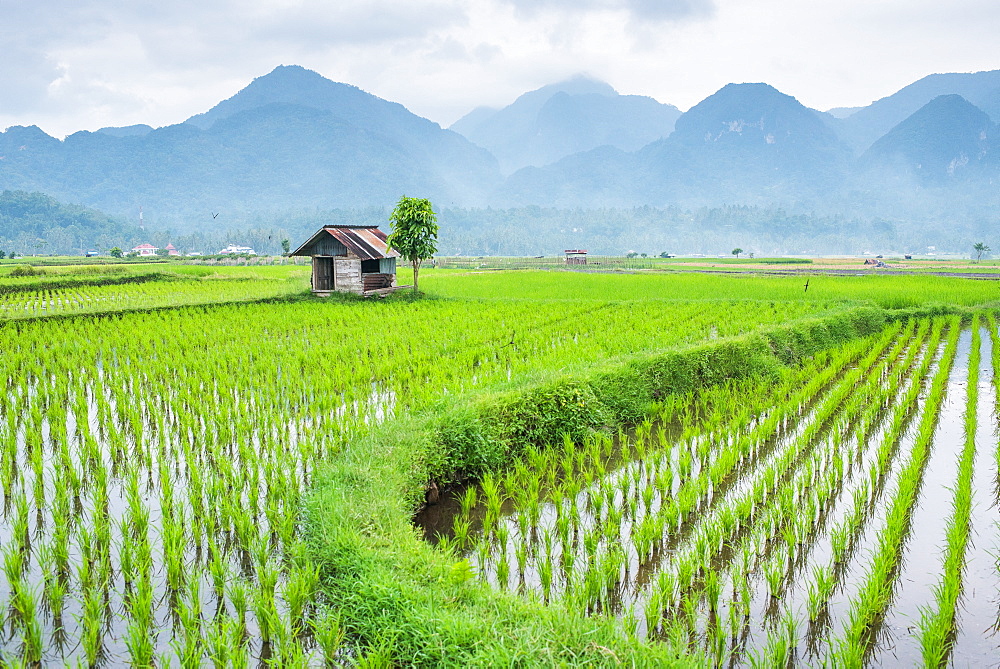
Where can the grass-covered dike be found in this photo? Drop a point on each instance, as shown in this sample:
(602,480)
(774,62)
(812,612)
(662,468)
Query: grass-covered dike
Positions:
(404,602)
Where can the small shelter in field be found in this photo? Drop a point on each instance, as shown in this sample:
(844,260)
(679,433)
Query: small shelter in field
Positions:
(350,259)
(576,256)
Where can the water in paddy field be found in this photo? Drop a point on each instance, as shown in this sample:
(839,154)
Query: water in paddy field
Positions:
(756,596)
(977,643)
(922,561)
(112,504)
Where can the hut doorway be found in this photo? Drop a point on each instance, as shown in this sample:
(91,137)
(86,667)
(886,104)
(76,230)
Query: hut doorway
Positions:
(323,273)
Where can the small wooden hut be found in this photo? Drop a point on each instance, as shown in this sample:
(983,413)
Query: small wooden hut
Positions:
(350,259)
(576,256)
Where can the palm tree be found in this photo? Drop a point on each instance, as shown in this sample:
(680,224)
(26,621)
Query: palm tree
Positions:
(980,248)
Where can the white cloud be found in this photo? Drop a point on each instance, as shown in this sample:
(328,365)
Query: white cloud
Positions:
(72,64)
(641,10)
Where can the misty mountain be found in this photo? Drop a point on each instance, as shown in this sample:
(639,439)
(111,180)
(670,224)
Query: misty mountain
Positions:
(748,142)
(552,122)
(601,177)
(842,112)
(866,125)
(137,130)
(947,139)
(291,139)
(745,143)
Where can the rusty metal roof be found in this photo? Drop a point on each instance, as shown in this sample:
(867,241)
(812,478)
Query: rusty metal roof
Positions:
(364,241)
(368,243)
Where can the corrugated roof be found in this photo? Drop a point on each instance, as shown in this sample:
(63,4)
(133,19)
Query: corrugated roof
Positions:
(365,241)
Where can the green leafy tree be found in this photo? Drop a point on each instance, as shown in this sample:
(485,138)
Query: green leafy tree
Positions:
(286,246)
(163,253)
(980,248)
(737,251)
(414,232)
(3,254)
(116,252)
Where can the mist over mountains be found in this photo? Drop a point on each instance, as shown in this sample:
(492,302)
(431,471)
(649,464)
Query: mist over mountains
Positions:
(555,121)
(293,141)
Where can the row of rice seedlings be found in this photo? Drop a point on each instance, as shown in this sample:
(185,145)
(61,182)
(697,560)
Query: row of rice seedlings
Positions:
(783,530)
(594,585)
(876,591)
(843,535)
(89,299)
(991,324)
(174,532)
(806,517)
(605,498)
(936,628)
(799,531)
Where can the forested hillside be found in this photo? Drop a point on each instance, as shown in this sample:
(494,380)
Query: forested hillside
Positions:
(37,223)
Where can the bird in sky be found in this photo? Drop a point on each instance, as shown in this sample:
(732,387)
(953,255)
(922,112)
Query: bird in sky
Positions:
(215,215)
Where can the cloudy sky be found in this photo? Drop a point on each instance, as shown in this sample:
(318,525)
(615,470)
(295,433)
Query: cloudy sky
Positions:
(67,65)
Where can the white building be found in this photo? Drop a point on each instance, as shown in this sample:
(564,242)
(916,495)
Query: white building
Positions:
(237,250)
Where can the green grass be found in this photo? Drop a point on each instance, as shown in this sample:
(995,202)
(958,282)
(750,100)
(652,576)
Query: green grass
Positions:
(894,292)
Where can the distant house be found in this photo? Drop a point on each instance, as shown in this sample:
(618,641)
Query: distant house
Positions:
(576,256)
(172,251)
(237,250)
(145,250)
(350,259)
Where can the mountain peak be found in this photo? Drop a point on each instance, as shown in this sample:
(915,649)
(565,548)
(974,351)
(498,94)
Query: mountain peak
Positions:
(294,77)
(750,112)
(578,84)
(291,85)
(946,137)
(574,115)
(869,123)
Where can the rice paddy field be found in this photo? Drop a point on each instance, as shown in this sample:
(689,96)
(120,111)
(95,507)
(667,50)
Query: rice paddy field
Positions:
(104,289)
(167,449)
(824,519)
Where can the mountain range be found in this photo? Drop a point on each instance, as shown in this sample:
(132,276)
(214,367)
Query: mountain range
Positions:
(293,140)
(579,114)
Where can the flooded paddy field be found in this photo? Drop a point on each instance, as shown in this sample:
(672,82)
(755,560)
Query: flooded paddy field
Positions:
(153,465)
(844,514)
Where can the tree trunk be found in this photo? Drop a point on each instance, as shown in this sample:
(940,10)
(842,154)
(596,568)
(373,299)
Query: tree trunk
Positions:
(416,271)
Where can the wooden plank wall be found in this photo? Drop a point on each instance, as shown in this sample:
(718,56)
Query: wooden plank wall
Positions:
(348,275)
